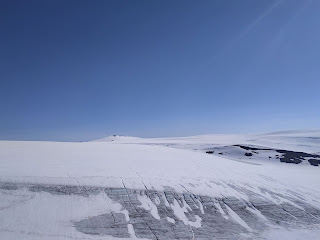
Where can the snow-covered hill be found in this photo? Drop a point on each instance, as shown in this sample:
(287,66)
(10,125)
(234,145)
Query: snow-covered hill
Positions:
(300,146)
(134,188)
(299,140)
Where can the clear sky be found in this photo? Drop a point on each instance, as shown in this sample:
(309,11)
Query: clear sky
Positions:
(79,70)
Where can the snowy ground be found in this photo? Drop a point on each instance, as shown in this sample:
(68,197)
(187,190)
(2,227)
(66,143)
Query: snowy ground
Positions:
(133,188)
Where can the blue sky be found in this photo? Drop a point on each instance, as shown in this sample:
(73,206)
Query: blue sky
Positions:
(79,70)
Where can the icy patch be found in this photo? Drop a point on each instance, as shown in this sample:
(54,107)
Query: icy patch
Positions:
(169,219)
(257,213)
(148,205)
(166,201)
(200,206)
(217,205)
(180,212)
(131,231)
(292,234)
(238,219)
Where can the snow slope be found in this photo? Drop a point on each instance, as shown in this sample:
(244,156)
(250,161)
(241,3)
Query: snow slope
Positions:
(94,162)
(132,188)
(295,140)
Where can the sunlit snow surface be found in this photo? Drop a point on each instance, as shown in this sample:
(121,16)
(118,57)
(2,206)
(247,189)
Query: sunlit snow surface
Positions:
(133,188)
